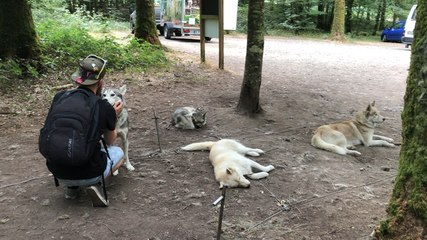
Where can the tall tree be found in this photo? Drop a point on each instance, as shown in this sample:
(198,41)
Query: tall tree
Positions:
(377,20)
(145,22)
(381,24)
(349,16)
(407,211)
(337,30)
(249,93)
(321,14)
(18,38)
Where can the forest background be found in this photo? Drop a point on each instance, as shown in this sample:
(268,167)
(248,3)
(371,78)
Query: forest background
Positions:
(70,28)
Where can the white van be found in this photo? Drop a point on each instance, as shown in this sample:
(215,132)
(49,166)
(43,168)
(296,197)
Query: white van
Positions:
(408,36)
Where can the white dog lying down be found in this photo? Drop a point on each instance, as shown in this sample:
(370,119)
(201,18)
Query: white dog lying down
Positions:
(230,164)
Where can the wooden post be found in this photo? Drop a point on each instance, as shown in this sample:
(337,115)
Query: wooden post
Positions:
(221,213)
(202,34)
(221,33)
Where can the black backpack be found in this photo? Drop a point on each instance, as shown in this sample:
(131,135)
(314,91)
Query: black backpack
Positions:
(71,132)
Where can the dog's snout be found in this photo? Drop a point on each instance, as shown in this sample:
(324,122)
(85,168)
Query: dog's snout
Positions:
(383,119)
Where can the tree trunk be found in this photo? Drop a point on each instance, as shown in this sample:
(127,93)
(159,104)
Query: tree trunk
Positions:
(249,93)
(349,16)
(145,22)
(297,11)
(321,15)
(72,6)
(104,7)
(18,38)
(377,20)
(381,24)
(337,30)
(329,17)
(407,211)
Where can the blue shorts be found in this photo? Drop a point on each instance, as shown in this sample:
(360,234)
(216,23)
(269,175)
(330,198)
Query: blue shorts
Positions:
(116,155)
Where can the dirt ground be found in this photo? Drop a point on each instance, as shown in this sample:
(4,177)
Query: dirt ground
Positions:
(170,194)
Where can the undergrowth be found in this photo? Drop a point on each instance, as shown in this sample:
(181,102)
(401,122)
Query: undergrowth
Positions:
(66,38)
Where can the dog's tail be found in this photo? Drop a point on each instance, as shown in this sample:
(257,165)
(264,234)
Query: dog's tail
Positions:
(198,146)
(318,142)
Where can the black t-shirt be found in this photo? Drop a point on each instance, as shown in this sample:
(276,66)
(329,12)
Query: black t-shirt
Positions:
(98,162)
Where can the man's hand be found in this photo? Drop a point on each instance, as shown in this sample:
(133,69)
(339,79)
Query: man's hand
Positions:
(118,107)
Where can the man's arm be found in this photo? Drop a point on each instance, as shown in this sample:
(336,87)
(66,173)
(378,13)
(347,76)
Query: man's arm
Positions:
(110,136)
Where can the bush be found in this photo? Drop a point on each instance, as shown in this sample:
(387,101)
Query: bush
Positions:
(65,39)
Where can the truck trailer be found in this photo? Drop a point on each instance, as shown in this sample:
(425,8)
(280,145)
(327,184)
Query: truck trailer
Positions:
(180,18)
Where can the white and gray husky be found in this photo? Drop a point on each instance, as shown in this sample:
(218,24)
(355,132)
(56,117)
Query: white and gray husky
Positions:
(113,95)
(188,118)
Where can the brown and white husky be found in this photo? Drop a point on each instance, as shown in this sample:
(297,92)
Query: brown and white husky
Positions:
(343,136)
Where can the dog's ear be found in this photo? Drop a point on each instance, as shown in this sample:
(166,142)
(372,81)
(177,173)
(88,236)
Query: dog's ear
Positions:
(122,89)
(229,171)
(373,104)
(368,109)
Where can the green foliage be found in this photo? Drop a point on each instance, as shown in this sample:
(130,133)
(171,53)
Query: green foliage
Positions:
(196,16)
(385,227)
(11,68)
(242,19)
(295,16)
(65,38)
(301,16)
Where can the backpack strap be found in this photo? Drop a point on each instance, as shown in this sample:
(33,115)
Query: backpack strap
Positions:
(103,187)
(111,168)
(56,181)
(108,154)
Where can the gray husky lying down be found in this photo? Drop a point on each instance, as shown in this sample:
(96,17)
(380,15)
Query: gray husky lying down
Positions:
(188,118)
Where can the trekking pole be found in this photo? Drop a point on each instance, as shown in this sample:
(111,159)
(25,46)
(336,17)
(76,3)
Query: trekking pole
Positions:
(221,212)
(157,129)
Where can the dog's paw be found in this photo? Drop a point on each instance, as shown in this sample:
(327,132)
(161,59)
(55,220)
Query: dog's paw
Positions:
(259,151)
(255,152)
(352,152)
(270,167)
(130,167)
(115,173)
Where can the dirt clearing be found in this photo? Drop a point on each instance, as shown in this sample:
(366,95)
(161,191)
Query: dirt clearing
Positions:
(170,194)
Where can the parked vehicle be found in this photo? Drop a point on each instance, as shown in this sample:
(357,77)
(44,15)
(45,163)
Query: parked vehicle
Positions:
(408,37)
(132,19)
(394,33)
(180,18)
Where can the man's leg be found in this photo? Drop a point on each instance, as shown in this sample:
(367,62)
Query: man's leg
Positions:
(115,160)
(117,166)
(73,187)
(72,192)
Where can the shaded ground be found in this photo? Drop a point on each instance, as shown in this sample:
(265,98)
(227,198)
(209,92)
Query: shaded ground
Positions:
(170,194)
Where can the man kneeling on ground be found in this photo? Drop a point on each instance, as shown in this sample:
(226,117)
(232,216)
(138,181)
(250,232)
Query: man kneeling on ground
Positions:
(78,120)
